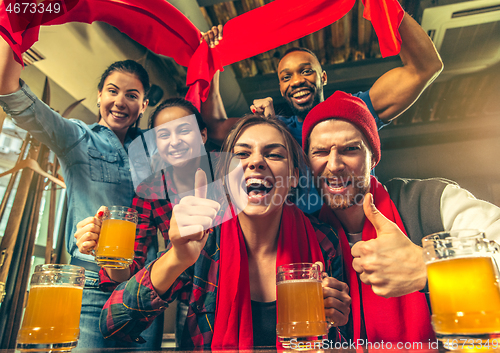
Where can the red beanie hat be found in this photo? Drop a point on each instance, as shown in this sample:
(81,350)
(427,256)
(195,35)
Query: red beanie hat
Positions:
(344,106)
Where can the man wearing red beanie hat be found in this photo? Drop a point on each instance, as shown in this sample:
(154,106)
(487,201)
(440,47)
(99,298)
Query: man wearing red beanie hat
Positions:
(381,227)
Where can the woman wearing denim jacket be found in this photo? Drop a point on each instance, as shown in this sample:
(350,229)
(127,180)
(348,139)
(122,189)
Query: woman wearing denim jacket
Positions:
(93,158)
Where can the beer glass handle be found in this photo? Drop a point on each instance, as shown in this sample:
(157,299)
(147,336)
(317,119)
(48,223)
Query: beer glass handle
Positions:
(493,246)
(93,250)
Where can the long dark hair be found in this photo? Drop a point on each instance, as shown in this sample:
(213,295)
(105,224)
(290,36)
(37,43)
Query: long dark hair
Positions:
(187,105)
(295,154)
(177,102)
(131,67)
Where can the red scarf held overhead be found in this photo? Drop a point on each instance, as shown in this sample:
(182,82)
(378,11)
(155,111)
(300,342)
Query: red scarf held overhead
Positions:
(297,242)
(402,319)
(160,27)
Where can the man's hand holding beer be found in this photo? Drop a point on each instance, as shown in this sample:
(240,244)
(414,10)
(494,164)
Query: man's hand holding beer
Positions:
(336,298)
(337,301)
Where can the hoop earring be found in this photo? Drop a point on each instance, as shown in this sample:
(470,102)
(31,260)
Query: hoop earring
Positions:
(98,104)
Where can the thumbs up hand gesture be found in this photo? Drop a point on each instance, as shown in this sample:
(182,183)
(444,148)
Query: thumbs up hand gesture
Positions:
(190,222)
(390,263)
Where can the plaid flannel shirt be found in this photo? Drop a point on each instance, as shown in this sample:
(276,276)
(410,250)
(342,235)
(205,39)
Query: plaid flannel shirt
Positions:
(154,212)
(135,304)
(154,207)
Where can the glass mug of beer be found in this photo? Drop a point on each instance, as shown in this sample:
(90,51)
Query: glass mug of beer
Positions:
(301,310)
(52,317)
(115,248)
(464,287)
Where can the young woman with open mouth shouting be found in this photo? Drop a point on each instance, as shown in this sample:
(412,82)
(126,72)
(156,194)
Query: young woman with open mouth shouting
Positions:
(227,273)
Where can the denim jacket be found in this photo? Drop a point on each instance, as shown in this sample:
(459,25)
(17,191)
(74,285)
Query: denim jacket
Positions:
(95,165)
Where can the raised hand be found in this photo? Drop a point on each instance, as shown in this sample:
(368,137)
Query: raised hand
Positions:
(390,263)
(10,69)
(191,220)
(212,36)
(264,107)
(88,231)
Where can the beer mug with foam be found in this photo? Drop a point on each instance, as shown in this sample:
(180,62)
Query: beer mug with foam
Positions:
(115,247)
(464,287)
(301,310)
(52,318)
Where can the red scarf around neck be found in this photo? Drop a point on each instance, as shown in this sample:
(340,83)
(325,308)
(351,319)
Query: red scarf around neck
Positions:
(401,319)
(297,242)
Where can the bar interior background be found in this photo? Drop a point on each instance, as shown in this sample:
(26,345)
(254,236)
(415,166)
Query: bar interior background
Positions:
(452,131)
